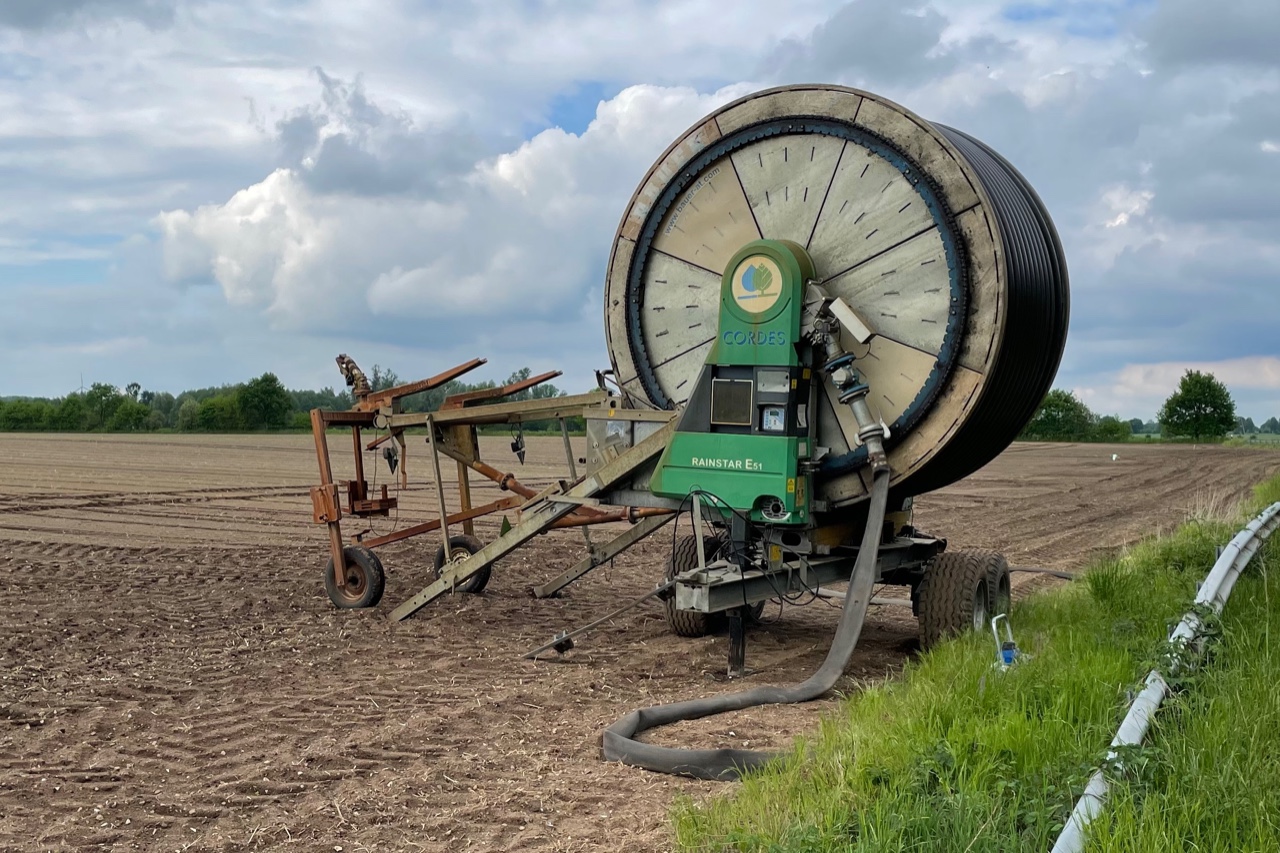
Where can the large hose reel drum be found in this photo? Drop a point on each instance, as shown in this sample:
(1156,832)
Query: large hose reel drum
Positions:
(927,233)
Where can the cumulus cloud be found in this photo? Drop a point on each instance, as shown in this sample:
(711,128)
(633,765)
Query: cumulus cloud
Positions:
(520,235)
(868,39)
(348,144)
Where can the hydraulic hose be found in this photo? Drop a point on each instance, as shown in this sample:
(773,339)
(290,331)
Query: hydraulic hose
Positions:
(619,743)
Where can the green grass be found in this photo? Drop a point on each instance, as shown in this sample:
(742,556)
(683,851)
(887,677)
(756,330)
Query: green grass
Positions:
(955,756)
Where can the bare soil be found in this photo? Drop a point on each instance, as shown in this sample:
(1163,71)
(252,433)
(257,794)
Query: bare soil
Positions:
(173,677)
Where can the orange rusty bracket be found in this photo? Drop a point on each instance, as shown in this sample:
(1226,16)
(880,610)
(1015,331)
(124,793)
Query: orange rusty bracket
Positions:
(459,401)
(349,418)
(377,399)
(324,504)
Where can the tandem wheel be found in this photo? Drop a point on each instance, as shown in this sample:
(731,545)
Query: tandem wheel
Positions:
(961,591)
(691,623)
(688,623)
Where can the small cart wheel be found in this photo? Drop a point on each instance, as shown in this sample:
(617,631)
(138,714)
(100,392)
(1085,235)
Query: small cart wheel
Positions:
(460,548)
(365,579)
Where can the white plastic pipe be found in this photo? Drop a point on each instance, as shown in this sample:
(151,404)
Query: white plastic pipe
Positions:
(1214,592)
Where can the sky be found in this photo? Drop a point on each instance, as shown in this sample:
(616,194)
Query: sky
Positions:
(194,192)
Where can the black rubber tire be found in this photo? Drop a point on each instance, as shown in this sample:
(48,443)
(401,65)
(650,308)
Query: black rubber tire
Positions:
(999,588)
(689,623)
(477,582)
(953,596)
(365,579)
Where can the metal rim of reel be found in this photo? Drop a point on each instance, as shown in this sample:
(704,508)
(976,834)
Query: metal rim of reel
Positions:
(1015,321)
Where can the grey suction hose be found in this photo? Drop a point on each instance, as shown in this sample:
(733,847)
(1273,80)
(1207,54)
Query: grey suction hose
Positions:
(619,743)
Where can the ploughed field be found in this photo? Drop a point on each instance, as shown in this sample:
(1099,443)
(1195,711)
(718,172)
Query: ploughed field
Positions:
(173,677)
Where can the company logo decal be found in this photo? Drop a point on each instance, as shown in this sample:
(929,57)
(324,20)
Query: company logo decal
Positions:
(757,284)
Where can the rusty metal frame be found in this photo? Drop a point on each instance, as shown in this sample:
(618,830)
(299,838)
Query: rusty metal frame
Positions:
(452,432)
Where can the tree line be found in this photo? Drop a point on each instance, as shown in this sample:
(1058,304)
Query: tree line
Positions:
(259,404)
(1200,408)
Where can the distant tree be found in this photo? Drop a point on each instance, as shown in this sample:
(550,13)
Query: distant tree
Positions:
(326,398)
(264,403)
(1061,417)
(188,415)
(129,416)
(1271,426)
(165,405)
(220,414)
(1201,408)
(1136,426)
(102,400)
(1151,427)
(382,378)
(146,397)
(71,415)
(1244,426)
(25,415)
(1111,428)
(133,389)
(202,394)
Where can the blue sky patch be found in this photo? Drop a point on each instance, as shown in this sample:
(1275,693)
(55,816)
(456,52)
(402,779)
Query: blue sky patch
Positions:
(573,110)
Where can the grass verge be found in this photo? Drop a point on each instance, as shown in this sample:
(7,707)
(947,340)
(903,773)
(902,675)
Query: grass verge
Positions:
(955,756)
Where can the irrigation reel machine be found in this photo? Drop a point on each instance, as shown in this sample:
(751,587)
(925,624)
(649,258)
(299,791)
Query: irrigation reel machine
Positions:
(818,305)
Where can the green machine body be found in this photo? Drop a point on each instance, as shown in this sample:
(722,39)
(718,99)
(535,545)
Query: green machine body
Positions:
(745,436)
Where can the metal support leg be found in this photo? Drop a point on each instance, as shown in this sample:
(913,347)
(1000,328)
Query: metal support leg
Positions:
(468,444)
(737,642)
(404,460)
(444,508)
(573,474)
(318,427)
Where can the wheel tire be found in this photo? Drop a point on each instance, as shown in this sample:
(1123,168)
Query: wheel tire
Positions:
(365,579)
(688,623)
(467,545)
(954,597)
(999,588)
